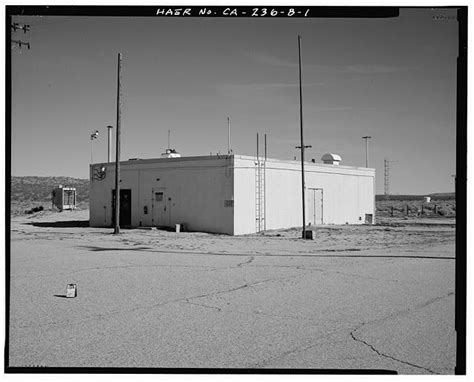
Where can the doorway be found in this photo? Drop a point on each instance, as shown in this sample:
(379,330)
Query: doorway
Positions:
(314,210)
(125,213)
(160,207)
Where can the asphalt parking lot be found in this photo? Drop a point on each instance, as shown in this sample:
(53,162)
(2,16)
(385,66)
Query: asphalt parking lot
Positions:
(365,297)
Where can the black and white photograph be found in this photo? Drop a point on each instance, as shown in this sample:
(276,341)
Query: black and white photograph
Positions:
(236,189)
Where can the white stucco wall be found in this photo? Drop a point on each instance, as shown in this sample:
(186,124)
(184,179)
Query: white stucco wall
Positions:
(198,188)
(348,193)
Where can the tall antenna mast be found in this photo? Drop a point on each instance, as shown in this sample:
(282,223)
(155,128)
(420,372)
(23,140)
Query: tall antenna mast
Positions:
(168,139)
(386,178)
(386,182)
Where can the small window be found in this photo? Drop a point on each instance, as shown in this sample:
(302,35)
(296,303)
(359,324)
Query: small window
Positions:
(159,196)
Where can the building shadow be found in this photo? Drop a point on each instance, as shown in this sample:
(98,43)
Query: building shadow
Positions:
(60,295)
(62,224)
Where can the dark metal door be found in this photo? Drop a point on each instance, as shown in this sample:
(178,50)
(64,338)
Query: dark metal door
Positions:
(125,214)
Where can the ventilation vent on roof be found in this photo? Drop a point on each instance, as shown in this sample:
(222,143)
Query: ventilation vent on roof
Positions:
(171,153)
(331,159)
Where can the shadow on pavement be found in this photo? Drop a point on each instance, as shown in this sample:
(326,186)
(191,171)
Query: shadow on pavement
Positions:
(103,249)
(63,224)
(60,295)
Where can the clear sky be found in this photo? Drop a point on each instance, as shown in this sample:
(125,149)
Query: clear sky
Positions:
(393,79)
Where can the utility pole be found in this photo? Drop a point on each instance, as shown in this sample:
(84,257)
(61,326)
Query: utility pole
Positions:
(109,143)
(302,146)
(117,151)
(24,28)
(366,150)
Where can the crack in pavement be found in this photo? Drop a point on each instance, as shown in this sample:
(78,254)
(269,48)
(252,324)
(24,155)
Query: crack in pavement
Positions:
(389,356)
(252,258)
(281,316)
(204,306)
(202,267)
(391,316)
(297,349)
(181,299)
(309,346)
(406,311)
(359,276)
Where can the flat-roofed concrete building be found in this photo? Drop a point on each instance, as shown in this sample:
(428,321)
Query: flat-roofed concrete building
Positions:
(231,194)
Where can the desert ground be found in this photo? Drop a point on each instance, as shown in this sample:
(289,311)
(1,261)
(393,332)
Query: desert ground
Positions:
(377,297)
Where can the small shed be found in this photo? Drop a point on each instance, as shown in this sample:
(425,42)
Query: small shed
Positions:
(64,198)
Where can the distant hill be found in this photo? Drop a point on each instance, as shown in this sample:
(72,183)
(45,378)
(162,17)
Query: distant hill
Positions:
(32,191)
(435,196)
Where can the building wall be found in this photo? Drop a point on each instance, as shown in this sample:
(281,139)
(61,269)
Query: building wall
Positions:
(196,191)
(348,194)
(213,194)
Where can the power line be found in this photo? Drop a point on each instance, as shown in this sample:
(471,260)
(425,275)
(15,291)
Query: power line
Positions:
(25,28)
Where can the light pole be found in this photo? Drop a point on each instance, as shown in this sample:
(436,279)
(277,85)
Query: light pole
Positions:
(367,137)
(94,135)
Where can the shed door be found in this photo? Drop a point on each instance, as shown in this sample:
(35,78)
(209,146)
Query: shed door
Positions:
(314,209)
(159,203)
